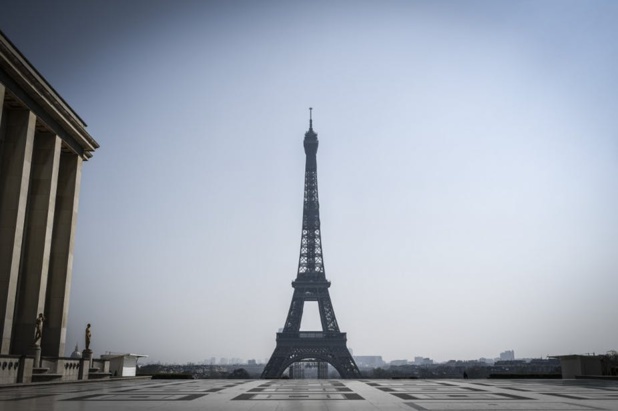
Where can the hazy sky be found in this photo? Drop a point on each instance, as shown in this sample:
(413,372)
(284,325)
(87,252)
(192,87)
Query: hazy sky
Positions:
(467,170)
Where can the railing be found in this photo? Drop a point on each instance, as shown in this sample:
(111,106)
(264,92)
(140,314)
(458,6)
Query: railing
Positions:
(312,335)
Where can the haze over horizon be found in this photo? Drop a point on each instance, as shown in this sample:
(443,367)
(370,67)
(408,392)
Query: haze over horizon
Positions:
(467,170)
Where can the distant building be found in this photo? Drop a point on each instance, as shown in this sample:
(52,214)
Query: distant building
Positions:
(369,361)
(489,361)
(507,355)
(76,353)
(398,362)
(422,361)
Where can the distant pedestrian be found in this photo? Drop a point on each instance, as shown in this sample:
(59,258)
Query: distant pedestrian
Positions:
(465,375)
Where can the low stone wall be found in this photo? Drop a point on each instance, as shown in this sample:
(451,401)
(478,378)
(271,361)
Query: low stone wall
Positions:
(9,369)
(15,369)
(68,368)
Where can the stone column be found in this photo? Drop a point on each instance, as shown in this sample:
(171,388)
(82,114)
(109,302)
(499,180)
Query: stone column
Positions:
(2,92)
(32,283)
(61,257)
(17,134)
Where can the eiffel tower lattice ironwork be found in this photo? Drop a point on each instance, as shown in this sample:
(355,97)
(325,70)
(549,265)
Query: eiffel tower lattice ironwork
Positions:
(328,345)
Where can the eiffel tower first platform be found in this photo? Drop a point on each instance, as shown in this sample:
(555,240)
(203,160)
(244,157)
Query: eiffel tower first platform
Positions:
(328,345)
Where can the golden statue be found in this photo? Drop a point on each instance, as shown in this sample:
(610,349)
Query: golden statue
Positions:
(88,335)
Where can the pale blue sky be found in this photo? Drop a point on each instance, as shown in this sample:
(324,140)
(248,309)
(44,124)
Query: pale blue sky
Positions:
(468,168)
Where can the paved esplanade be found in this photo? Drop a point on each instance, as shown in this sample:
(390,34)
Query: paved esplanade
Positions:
(279,395)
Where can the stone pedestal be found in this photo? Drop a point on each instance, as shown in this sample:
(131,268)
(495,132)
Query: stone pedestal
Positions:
(87,357)
(85,364)
(35,350)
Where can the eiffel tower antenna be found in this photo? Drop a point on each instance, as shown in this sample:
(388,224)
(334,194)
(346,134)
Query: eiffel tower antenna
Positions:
(329,344)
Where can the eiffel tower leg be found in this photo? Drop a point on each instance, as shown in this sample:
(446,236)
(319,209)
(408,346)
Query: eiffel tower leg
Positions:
(276,365)
(344,363)
(295,314)
(327,313)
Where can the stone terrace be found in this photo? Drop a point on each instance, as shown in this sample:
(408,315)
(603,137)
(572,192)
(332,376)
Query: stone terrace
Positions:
(357,395)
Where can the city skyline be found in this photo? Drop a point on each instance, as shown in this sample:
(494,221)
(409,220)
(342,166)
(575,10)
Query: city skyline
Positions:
(467,171)
(228,360)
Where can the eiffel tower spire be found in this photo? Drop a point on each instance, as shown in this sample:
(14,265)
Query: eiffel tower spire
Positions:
(311,263)
(311,284)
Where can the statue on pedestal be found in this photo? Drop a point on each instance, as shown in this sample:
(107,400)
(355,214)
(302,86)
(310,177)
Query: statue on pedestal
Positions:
(38,329)
(88,336)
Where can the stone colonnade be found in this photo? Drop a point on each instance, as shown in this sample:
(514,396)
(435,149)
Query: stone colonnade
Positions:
(39,189)
(43,144)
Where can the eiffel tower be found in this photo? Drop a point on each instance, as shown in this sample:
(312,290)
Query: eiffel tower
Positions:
(328,345)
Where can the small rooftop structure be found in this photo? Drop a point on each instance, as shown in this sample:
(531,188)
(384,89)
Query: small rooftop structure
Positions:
(123,364)
(575,365)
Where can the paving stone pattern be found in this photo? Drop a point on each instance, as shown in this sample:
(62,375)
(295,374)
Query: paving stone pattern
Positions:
(332,395)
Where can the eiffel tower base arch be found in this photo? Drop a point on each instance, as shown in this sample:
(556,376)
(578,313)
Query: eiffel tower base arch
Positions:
(329,347)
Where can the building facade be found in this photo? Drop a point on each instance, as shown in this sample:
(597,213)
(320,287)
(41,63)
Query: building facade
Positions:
(43,144)
(508,355)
